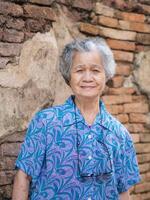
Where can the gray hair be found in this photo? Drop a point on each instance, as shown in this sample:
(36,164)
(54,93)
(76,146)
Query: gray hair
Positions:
(86,45)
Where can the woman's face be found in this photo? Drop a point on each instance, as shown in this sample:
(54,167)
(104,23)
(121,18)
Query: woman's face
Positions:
(87,74)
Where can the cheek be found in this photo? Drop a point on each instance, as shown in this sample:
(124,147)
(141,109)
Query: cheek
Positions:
(73,83)
(102,79)
(101,83)
(75,79)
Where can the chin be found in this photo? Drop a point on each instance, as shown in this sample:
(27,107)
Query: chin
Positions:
(89,95)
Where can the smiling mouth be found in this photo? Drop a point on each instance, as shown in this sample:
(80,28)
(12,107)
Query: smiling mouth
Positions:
(87,87)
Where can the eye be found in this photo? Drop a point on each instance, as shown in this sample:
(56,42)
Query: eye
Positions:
(96,70)
(79,70)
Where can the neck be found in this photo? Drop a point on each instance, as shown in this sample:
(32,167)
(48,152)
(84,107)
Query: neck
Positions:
(88,107)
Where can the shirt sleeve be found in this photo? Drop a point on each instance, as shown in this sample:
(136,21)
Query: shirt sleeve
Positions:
(127,171)
(32,153)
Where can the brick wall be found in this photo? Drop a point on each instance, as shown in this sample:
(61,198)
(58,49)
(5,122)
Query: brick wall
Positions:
(125,26)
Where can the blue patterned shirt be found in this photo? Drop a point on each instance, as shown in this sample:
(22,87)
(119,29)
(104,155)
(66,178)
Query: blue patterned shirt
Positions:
(70,160)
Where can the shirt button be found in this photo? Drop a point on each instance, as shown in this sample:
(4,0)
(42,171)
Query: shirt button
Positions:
(90,157)
(89,136)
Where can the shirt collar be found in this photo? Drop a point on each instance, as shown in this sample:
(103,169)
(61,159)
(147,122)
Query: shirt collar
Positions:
(73,115)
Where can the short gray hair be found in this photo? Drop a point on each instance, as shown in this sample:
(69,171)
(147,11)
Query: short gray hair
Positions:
(86,45)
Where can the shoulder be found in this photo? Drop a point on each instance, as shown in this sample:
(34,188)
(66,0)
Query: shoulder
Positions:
(40,120)
(50,114)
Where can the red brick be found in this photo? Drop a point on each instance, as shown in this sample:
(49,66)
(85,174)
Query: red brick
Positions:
(143,158)
(145,196)
(144,167)
(35,25)
(123,56)
(140,48)
(140,98)
(143,38)
(107,32)
(145,138)
(133,17)
(125,25)
(11,9)
(136,197)
(88,28)
(140,27)
(17,137)
(10,149)
(83,4)
(134,26)
(10,49)
(123,69)
(117,99)
(136,108)
(135,138)
(108,21)
(104,10)
(17,24)
(42,2)
(123,118)
(134,117)
(121,90)
(115,109)
(144,187)
(8,163)
(117,34)
(6,177)
(117,81)
(147,177)
(121,45)
(142,148)
(11,35)
(40,12)
(135,128)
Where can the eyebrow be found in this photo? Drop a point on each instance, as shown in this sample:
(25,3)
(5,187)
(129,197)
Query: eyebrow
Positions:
(93,65)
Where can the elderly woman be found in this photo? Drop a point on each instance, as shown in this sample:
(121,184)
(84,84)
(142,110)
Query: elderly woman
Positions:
(78,151)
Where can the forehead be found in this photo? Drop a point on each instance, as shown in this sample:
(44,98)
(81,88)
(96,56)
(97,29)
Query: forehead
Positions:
(90,57)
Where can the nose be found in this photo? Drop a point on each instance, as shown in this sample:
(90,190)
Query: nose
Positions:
(87,76)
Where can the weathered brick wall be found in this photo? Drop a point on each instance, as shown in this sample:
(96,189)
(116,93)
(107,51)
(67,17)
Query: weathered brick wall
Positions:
(125,26)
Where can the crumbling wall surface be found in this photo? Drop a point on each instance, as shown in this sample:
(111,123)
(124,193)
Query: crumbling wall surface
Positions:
(32,35)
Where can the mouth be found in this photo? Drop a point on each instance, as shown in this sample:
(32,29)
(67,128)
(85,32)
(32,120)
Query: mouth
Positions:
(87,87)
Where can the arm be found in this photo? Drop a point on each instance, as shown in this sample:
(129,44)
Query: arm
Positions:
(125,196)
(21,186)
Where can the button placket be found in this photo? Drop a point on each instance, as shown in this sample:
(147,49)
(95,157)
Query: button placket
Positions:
(90,138)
